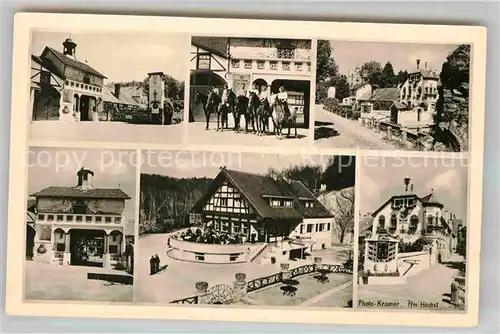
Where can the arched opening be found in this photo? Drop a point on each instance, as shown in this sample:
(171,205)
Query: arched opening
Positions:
(394,224)
(299,96)
(381,222)
(259,83)
(413,223)
(87,247)
(200,82)
(115,244)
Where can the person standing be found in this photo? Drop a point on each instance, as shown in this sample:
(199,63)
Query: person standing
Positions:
(152,265)
(157,263)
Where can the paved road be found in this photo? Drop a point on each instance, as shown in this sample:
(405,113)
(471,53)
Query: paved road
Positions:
(198,135)
(106,132)
(350,134)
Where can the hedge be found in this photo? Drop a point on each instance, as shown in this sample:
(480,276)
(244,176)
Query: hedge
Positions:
(333,105)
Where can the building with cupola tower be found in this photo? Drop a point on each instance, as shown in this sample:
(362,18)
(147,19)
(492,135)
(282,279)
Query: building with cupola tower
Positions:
(79,225)
(63,87)
(406,217)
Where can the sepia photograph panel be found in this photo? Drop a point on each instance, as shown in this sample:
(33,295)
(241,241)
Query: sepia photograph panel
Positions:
(249,91)
(413,234)
(392,96)
(107,86)
(80,225)
(246,229)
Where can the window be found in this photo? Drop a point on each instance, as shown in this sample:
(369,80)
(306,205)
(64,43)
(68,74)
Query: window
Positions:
(235,63)
(60,247)
(381,221)
(113,249)
(60,218)
(118,220)
(79,218)
(50,217)
(225,227)
(413,222)
(321,227)
(273,65)
(233,257)
(394,221)
(199,256)
(329,226)
(69,218)
(88,219)
(317,227)
(86,79)
(107,219)
(301,228)
(236,228)
(98,219)
(41,217)
(248,64)
(80,207)
(430,220)
(284,253)
(203,62)
(298,66)
(45,77)
(223,201)
(286,66)
(309,228)
(72,84)
(261,64)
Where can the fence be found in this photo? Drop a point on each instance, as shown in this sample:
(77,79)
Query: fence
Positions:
(336,268)
(188,300)
(299,271)
(262,282)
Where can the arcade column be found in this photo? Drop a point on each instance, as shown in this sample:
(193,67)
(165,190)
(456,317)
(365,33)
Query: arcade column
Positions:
(67,249)
(106,257)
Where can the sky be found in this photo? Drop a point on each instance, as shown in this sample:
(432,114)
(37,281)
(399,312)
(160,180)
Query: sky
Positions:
(185,164)
(402,56)
(123,56)
(382,178)
(58,167)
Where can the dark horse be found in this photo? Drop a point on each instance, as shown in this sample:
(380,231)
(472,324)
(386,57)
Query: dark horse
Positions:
(210,104)
(262,114)
(226,107)
(242,108)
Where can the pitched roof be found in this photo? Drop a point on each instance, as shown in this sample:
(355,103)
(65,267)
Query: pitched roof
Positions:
(386,94)
(74,63)
(256,188)
(355,87)
(427,74)
(400,105)
(128,93)
(73,192)
(365,225)
(217,45)
(431,199)
(108,96)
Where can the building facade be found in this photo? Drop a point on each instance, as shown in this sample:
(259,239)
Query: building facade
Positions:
(80,225)
(354,77)
(264,209)
(64,88)
(420,89)
(270,63)
(407,217)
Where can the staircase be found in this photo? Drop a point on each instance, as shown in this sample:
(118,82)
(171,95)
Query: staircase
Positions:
(261,256)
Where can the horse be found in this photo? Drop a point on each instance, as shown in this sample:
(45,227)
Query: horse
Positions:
(241,108)
(278,115)
(291,120)
(263,113)
(251,115)
(225,107)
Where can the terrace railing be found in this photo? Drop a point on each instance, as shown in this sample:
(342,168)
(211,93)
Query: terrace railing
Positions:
(187,300)
(336,268)
(262,282)
(299,271)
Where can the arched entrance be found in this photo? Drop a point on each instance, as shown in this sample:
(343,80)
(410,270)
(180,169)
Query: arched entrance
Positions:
(87,247)
(201,81)
(46,103)
(259,83)
(299,96)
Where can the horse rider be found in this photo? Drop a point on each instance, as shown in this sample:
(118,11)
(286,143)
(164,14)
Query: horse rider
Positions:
(242,91)
(283,98)
(263,94)
(225,95)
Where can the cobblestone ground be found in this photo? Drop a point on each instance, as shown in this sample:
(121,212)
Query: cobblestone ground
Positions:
(345,133)
(431,286)
(45,281)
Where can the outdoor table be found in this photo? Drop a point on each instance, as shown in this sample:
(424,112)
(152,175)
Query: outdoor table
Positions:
(289,288)
(322,275)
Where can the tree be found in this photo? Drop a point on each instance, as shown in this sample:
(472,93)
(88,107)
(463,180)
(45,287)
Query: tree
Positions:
(372,71)
(456,69)
(461,248)
(344,213)
(388,78)
(309,175)
(401,77)
(339,173)
(325,64)
(341,87)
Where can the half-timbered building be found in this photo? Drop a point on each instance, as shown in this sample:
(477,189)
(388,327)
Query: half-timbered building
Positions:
(265,209)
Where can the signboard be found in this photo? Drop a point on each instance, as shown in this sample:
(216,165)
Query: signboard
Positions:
(156,92)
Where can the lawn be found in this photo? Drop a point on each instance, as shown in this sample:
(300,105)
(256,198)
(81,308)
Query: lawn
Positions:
(307,288)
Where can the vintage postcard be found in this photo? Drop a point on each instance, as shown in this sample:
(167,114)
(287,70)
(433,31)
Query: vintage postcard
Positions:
(245,170)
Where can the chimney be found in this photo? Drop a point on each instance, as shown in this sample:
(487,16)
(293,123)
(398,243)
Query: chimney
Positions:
(117,90)
(407,182)
(85,179)
(418,64)
(425,65)
(447,215)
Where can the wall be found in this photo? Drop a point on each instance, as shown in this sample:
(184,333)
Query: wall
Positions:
(77,74)
(53,205)
(217,63)
(317,237)
(406,269)
(387,212)
(187,251)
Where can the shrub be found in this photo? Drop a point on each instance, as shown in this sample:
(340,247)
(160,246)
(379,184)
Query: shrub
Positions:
(356,115)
